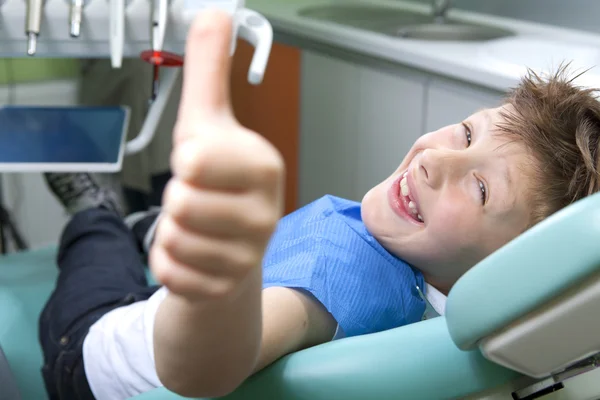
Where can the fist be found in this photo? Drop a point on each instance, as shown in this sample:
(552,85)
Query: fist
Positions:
(226,195)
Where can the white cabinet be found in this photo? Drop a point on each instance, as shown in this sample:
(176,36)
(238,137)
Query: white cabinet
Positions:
(391,115)
(328,127)
(449,102)
(358,120)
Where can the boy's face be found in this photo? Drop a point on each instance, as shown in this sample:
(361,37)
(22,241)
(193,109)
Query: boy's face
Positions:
(458,195)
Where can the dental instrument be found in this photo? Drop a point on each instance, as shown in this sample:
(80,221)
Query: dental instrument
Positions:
(33,21)
(159,26)
(117,32)
(94,40)
(75,16)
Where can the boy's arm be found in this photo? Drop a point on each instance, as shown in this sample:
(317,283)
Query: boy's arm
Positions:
(206,349)
(219,211)
(292,321)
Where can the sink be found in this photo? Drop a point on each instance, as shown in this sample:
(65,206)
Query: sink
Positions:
(453,31)
(384,20)
(400,23)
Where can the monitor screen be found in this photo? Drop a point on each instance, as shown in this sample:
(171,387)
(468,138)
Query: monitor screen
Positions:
(62,135)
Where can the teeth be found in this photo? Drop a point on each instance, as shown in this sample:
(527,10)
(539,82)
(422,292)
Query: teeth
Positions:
(405,192)
(404,187)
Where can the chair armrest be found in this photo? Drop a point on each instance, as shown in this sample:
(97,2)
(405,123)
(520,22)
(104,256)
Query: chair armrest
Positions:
(414,361)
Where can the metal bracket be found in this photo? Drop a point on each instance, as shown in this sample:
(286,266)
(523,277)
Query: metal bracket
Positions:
(555,381)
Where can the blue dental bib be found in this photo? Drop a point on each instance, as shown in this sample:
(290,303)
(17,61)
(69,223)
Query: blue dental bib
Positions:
(325,249)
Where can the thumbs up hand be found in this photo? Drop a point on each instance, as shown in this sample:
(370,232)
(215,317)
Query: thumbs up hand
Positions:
(226,195)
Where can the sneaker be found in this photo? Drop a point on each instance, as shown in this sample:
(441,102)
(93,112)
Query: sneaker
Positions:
(80,191)
(143,225)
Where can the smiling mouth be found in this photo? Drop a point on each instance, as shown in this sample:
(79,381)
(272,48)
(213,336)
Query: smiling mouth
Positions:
(405,195)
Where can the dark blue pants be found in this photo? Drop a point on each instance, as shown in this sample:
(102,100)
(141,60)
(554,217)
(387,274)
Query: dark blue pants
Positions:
(100,269)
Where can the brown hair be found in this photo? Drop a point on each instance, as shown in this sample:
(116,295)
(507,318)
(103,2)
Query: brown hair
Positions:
(559,123)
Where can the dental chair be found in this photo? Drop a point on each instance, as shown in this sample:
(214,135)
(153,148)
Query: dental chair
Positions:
(517,325)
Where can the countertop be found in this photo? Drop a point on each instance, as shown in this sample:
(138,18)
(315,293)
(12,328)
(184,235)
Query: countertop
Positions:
(495,64)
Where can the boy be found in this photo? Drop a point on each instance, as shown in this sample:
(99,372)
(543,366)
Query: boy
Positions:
(236,298)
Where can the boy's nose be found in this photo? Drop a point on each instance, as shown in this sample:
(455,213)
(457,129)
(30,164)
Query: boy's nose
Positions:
(441,165)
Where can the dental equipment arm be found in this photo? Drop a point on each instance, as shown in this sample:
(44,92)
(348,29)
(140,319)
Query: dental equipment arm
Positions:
(94,41)
(255,29)
(155,112)
(98,41)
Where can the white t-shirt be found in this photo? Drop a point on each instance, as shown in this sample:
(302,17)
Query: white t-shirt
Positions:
(118,351)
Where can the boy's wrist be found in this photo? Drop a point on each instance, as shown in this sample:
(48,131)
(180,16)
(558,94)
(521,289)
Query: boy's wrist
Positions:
(247,287)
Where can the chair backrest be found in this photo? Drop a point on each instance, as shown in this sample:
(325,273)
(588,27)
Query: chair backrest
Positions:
(543,283)
(8,383)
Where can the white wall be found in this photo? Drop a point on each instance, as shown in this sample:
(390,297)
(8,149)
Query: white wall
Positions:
(575,14)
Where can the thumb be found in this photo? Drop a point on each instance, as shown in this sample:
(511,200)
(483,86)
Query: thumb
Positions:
(205,90)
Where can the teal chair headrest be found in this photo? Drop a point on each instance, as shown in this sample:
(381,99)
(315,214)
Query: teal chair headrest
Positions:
(527,272)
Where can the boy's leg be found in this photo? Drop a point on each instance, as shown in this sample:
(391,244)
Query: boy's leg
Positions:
(100,269)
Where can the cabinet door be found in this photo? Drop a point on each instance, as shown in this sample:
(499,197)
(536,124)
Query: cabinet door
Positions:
(449,102)
(272,108)
(390,120)
(328,128)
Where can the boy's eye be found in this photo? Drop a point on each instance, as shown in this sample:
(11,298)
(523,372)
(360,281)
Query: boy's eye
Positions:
(480,185)
(483,191)
(467,133)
